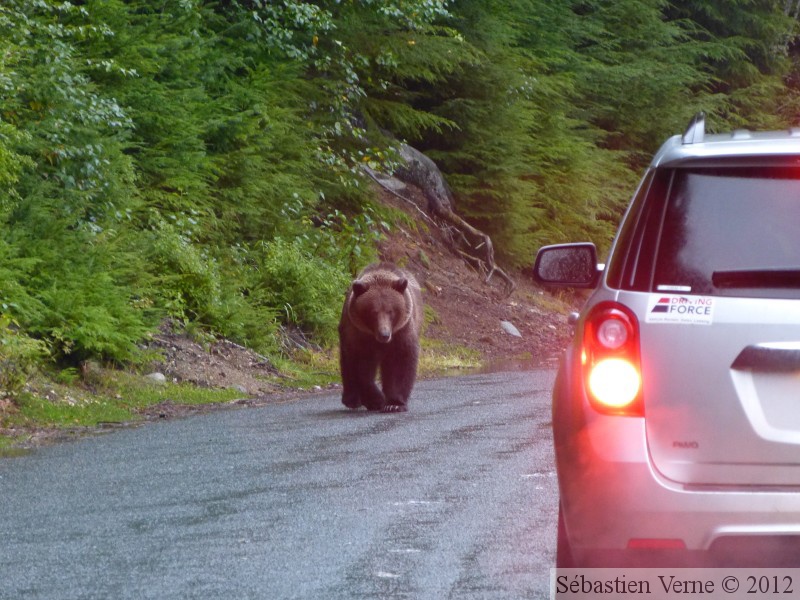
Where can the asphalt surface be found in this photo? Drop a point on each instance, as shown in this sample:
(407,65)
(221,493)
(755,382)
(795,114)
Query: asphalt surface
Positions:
(455,499)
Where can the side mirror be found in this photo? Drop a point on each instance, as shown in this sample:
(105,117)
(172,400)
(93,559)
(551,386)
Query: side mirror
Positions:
(567,265)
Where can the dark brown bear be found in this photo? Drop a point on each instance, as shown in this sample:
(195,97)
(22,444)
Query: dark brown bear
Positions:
(380,327)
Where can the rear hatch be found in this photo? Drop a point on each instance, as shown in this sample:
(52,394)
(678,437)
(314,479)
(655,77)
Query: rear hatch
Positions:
(719,317)
(722,398)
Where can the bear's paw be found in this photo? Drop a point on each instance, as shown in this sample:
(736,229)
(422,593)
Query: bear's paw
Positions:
(351,400)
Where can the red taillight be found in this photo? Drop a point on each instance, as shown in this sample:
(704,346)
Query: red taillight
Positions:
(611,366)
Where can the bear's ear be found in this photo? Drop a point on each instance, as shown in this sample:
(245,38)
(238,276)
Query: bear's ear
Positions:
(359,287)
(400,284)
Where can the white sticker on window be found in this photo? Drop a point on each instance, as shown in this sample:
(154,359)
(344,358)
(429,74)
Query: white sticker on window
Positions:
(674,288)
(695,310)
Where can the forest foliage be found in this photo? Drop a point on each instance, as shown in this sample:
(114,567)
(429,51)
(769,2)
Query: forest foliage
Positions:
(201,160)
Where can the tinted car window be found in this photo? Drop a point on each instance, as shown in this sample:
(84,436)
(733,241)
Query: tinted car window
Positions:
(723,231)
(631,266)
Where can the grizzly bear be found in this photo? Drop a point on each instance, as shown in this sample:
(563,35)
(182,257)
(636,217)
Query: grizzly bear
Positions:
(380,327)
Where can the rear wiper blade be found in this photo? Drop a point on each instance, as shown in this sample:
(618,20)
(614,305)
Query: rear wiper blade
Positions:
(757,278)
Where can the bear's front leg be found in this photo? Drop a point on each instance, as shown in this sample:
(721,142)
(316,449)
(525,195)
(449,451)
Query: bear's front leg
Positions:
(370,397)
(351,396)
(358,380)
(398,373)
(371,394)
(373,397)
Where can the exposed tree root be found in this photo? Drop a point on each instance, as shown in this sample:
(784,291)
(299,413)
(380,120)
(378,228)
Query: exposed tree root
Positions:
(473,245)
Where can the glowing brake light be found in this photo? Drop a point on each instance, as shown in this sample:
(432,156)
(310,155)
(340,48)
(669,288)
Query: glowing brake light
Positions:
(614,382)
(611,360)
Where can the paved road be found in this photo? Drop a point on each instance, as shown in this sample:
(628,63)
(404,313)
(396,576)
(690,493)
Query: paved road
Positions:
(454,499)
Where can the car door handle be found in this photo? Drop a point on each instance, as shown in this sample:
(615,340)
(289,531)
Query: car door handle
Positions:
(781,357)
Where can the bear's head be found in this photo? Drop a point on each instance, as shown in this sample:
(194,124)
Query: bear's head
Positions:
(380,306)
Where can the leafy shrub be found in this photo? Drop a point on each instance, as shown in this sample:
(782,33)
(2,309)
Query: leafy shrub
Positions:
(346,240)
(197,288)
(189,281)
(309,290)
(19,355)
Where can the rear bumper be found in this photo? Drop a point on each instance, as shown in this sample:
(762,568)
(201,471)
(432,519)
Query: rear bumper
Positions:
(622,506)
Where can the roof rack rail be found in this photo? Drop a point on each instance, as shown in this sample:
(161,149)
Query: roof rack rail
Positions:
(696,130)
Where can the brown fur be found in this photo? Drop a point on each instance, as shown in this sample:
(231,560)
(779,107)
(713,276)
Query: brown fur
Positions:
(380,328)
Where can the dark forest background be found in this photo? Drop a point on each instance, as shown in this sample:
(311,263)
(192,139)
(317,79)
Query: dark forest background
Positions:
(202,160)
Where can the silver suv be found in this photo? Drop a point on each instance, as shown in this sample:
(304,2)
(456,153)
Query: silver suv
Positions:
(676,409)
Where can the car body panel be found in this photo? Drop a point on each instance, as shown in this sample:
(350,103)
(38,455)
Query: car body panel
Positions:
(708,422)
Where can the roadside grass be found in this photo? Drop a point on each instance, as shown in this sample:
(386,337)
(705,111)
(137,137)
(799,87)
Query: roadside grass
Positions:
(8,444)
(111,396)
(101,396)
(439,358)
(308,369)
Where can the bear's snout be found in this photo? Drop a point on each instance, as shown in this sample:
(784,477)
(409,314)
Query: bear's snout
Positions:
(384,336)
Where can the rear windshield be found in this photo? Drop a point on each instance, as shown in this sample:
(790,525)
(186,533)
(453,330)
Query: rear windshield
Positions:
(716,231)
